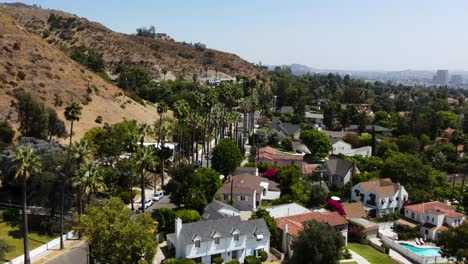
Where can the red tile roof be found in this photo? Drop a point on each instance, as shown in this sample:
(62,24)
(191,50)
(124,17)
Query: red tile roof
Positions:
(295,222)
(269,150)
(436,206)
(308,168)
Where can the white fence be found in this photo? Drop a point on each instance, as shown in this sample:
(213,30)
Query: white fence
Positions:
(411,254)
(39,250)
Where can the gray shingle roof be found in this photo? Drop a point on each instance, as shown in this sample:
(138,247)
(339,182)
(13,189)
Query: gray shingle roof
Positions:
(338,167)
(213,211)
(286,128)
(224,227)
(286,109)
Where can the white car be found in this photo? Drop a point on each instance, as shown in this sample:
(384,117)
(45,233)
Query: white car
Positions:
(148,203)
(158,196)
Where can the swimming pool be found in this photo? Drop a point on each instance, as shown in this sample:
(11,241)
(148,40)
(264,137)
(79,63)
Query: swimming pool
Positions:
(427,252)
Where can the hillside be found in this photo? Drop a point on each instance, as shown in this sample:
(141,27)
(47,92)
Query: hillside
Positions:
(29,63)
(178,59)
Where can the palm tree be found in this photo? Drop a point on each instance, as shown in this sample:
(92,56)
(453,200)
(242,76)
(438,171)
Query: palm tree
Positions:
(72,113)
(28,164)
(89,180)
(81,153)
(162,108)
(145,160)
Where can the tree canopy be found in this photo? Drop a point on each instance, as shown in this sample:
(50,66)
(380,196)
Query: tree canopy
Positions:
(453,242)
(317,243)
(115,236)
(226,157)
(317,142)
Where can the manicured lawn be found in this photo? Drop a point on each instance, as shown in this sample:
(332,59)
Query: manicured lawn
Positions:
(13,236)
(349,262)
(371,254)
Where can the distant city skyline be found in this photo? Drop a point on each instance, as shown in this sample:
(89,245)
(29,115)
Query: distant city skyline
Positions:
(387,35)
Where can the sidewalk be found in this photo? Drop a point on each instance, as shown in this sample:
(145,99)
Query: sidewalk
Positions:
(55,251)
(358,258)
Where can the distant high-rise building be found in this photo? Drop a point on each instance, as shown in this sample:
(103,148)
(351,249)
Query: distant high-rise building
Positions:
(456,79)
(441,77)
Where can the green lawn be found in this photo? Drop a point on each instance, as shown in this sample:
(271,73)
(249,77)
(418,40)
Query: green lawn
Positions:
(349,262)
(371,254)
(13,236)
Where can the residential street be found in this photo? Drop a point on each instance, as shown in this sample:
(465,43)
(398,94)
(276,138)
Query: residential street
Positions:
(75,255)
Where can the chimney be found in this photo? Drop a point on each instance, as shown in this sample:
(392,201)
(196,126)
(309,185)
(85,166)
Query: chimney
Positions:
(285,239)
(179,246)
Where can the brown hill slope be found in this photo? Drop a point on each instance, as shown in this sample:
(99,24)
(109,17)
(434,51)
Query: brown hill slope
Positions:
(29,63)
(179,59)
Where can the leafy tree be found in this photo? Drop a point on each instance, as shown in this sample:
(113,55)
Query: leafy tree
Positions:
(286,144)
(114,235)
(275,232)
(453,242)
(318,196)
(187,215)
(32,116)
(6,134)
(408,144)
(89,58)
(55,126)
(27,164)
(166,217)
(365,139)
(288,176)
(226,157)
(193,188)
(449,119)
(133,78)
(387,148)
(409,171)
(317,142)
(317,243)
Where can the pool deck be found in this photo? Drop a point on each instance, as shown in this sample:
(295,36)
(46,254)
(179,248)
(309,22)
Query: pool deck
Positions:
(412,243)
(393,254)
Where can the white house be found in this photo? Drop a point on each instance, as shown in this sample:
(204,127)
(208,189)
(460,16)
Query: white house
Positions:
(341,147)
(247,191)
(338,172)
(228,238)
(433,217)
(379,196)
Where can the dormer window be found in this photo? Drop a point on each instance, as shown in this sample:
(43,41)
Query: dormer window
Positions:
(236,237)
(216,240)
(197,243)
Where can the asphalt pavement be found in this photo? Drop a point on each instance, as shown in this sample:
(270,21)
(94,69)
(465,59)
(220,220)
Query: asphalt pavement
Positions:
(74,255)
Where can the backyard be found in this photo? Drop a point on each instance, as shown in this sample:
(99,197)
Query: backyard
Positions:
(12,234)
(371,254)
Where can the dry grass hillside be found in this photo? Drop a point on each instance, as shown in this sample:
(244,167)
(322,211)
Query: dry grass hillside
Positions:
(156,55)
(29,63)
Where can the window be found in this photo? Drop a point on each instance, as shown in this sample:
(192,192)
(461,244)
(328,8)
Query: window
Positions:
(236,237)
(242,198)
(412,215)
(226,197)
(234,254)
(426,232)
(197,243)
(216,240)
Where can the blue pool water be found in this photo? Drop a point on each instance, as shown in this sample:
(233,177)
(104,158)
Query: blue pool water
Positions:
(427,252)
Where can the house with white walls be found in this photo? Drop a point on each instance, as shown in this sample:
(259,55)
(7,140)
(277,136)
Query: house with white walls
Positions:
(379,196)
(344,148)
(433,217)
(247,191)
(229,238)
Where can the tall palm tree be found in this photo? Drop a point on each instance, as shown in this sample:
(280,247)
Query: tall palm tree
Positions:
(145,160)
(72,113)
(28,164)
(162,108)
(143,130)
(181,111)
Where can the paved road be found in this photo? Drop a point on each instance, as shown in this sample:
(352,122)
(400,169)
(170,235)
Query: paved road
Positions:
(74,255)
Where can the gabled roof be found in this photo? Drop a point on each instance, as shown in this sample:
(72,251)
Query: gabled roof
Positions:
(295,222)
(382,187)
(335,134)
(436,207)
(244,184)
(286,128)
(339,167)
(354,210)
(217,210)
(223,227)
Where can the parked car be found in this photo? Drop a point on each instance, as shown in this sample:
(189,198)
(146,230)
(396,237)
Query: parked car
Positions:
(158,196)
(148,203)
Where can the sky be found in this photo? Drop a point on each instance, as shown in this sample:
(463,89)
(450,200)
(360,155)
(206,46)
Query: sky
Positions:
(325,34)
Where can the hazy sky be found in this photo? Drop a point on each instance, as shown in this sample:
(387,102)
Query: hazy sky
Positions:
(331,34)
